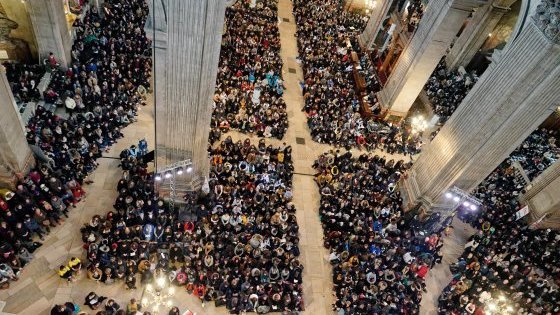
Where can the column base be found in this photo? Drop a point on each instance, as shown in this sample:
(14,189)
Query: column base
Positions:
(9,179)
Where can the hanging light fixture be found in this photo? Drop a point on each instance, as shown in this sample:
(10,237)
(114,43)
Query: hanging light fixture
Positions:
(159,294)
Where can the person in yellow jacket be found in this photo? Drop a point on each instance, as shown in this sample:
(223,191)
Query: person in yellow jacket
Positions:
(65,272)
(75,264)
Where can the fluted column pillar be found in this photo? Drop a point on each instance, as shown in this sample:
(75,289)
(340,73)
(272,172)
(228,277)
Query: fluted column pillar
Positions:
(15,155)
(543,198)
(513,96)
(476,32)
(437,29)
(51,29)
(375,22)
(187,47)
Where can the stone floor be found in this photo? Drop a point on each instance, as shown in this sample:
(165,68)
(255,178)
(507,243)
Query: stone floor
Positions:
(39,286)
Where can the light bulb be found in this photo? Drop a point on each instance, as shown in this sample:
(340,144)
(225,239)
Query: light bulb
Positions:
(473,207)
(157,177)
(456,199)
(180,171)
(189,169)
(466,204)
(448,195)
(167,174)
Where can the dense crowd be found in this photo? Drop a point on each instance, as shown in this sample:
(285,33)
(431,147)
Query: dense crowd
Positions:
(24,80)
(507,267)
(107,68)
(249,85)
(537,152)
(446,90)
(415,11)
(242,249)
(326,38)
(380,254)
(102,305)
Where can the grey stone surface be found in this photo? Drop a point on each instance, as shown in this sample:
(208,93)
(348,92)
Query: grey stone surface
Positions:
(437,29)
(375,23)
(543,198)
(482,23)
(51,29)
(188,38)
(510,100)
(15,155)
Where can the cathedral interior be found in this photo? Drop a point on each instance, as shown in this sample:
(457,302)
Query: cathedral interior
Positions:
(340,157)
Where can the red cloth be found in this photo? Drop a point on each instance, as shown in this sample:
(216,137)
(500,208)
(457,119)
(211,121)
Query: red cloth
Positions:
(422,271)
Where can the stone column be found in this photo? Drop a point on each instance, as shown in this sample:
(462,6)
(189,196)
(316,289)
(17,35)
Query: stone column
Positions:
(543,198)
(476,32)
(15,155)
(187,47)
(99,4)
(437,29)
(378,14)
(514,95)
(51,30)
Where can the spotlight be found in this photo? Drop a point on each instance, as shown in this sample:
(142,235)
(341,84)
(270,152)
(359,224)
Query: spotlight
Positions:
(160,281)
(167,174)
(466,204)
(448,195)
(180,171)
(157,177)
(189,169)
(473,207)
(456,199)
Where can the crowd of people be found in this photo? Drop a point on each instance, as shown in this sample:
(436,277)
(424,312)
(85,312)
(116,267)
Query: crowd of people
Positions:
(24,80)
(507,266)
(249,85)
(447,89)
(108,66)
(326,36)
(380,254)
(242,249)
(537,152)
(110,307)
(415,11)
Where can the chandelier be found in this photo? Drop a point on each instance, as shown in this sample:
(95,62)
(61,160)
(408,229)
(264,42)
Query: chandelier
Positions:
(498,305)
(418,124)
(158,295)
